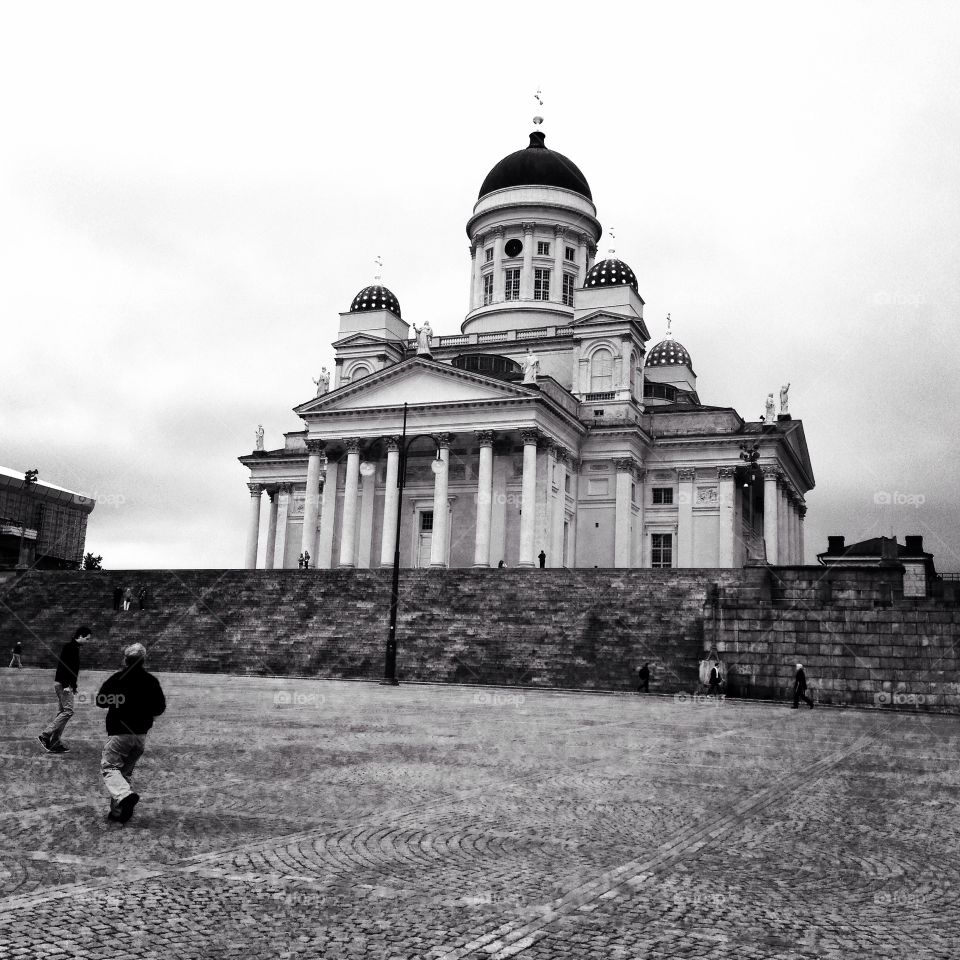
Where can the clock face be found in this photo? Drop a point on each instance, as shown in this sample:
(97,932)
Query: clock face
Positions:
(513,248)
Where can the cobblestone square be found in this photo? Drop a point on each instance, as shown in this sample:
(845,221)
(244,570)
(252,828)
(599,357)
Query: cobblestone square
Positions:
(321,819)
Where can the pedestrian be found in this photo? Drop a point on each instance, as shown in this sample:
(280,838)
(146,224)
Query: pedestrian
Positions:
(306,559)
(643,678)
(800,688)
(501,565)
(132,698)
(15,660)
(300,561)
(542,557)
(714,688)
(117,596)
(65,685)
(142,597)
(127,597)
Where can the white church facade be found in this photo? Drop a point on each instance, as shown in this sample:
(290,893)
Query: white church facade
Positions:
(545,432)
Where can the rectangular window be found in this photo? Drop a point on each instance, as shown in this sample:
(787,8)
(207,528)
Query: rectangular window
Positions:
(663,496)
(661,549)
(511,284)
(570,255)
(568,283)
(541,284)
(426,521)
(543,248)
(487,288)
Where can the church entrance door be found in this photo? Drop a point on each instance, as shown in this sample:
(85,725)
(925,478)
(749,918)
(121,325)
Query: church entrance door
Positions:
(425,538)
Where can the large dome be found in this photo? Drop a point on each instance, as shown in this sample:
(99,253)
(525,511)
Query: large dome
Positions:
(668,352)
(536,165)
(611,273)
(375,298)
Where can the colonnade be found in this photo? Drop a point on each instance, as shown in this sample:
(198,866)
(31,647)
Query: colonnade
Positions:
(783,515)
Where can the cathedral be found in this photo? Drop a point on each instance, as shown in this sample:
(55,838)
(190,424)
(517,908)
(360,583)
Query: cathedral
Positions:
(544,433)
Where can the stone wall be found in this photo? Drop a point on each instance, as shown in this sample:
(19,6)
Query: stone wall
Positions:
(861,642)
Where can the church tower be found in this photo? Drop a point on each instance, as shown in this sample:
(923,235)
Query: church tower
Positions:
(533,234)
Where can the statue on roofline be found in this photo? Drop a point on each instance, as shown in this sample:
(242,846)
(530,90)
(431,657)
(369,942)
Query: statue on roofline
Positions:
(531,367)
(259,436)
(323,383)
(784,401)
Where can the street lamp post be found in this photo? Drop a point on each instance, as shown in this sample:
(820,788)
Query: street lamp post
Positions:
(29,479)
(390,659)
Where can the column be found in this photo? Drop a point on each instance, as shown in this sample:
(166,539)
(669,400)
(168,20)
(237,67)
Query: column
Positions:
(591,253)
(526,275)
(481,552)
(253,526)
(574,469)
(771,498)
(622,516)
(783,528)
(637,545)
(280,548)
(801,516)
(497,264)
(726,493)
(368,497)
(528,497)
(328,516)
(348,527)
(556,558)
(476,256)
(272,528)
(311,502)
(556,281)
(686,476)
(441,504)
(388,542)
(582,268)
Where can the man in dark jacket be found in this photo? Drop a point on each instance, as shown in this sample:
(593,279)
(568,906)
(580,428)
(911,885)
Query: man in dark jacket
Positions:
(65,685)
(800,688)
(133,698)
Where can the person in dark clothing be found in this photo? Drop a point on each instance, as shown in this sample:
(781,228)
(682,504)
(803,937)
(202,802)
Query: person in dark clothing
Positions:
(117,597)
(643,679)
(542,557)
(800,688)
(65,685)
(714,688)
(15,660)
(142,598)
(132,698)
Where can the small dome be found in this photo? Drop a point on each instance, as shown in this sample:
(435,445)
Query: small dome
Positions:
(536,165)
(375,298)
(669,351)
(611,273)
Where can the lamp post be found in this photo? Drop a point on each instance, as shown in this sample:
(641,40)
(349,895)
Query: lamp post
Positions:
(390,659)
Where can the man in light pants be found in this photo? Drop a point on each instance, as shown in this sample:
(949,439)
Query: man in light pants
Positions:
(133,698)
(65,685)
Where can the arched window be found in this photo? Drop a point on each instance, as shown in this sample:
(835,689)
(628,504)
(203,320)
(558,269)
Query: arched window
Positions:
(358,371)
(601,371)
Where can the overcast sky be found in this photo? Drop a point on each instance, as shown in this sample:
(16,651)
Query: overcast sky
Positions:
(190,193)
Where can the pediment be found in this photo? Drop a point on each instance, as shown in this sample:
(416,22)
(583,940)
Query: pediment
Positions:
(416,382)
(363,340)
(606,316)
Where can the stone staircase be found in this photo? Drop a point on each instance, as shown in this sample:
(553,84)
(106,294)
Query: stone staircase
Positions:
(586,629)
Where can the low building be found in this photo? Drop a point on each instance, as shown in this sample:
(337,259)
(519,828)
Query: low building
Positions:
(919,576)
(41,525)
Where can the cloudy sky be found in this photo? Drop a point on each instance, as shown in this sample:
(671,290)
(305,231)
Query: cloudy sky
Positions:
(190,193)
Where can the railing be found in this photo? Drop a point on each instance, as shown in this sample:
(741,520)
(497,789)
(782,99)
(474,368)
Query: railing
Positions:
(494,337)
(455,340)
(564,331)
(606,395)
(530,334)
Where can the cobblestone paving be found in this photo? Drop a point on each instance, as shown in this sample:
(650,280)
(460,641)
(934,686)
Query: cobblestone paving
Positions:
(302,819)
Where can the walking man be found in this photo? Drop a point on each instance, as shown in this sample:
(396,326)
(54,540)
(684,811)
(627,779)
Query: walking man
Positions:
(132,698)
(800,688)
(643,679)
(65,685)
(15,660)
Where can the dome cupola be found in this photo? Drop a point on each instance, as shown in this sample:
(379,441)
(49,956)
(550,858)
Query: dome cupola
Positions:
(611,273)
(668,352)
(375,297)
(536,165)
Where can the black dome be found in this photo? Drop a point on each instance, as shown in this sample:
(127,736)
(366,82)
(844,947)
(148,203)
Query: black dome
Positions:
(536,165)
(611,273)
(669,352)
(375,298)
